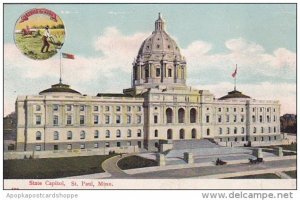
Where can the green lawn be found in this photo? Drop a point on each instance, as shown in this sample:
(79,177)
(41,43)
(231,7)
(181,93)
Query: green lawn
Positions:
(132,162)
(292,174)
(53,167)
(257,176)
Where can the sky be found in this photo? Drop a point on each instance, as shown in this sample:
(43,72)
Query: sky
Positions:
(105,39)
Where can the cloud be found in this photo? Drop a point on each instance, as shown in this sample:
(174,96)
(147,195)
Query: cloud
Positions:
(111,70)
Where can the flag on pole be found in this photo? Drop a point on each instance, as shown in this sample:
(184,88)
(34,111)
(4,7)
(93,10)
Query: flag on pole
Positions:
(234,73)
(68,56)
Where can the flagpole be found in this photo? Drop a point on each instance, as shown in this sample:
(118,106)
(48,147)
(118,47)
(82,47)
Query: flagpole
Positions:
(60,67)
(235,78)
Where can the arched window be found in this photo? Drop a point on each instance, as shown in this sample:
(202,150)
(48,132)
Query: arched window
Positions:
(169,114)
(139,133)
(253,118)
(156,133)
(228,130)
(235,130)
(69,135)
(274,129)
(56,135)
(243,130)
(220,131)
(82,135)
(129,133)
(181,115)
(194,133)
(193,115)
(181,134)
(96,134)
(169,134)
(118,133)
(38,135)
(208,132)
(107,134)
(254,130)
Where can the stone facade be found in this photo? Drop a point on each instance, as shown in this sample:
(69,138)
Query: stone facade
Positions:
(158,109)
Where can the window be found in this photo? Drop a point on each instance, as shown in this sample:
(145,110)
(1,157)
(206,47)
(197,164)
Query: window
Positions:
(107,119)
(96,145)
(234,109)
(207,118)
(55,135)
(81,119)
(96,108)
(156,133)
(139,119)
(169,72)
(269,129)
(169,114)
(207,131)
(274,129)
(37,108)
(82,108)
(128,119)
(253,118)
(193,115)
(139,133)
(227,109)
(38,120)
(128,143)
(82,146)
(220,109)
(96,134)
(253,109)
(155,119)
(82,135)
(69,119)
(147,69)
(139,108)
(260,109)
(262,129)
(96,119)
(128,108)
(55,147)
(118,119)
(220,131)
(55,120)
(227,118)
(107,108)
(107,144)
(157,72)
(260,118)
(235,130)
(69,147)
(243,130)
(128,133)
(268,119)
(55,107)
(228,130)
(69,135)
(118,108)
(274,118)
(219,118)
(118,134)
(107,134)
(254,130)
(38,136)
(38,147)
(118,144)
(69,107)
(242,118)
(181,115)
(242,109)
(234,118)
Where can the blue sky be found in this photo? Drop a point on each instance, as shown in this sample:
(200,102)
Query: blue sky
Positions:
(260,38)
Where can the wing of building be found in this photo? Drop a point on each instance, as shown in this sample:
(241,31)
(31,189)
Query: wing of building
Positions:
(158,109)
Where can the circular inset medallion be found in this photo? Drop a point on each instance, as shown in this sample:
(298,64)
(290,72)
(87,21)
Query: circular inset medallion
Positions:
(39,33)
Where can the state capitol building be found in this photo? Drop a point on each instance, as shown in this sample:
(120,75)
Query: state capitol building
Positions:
(158,109)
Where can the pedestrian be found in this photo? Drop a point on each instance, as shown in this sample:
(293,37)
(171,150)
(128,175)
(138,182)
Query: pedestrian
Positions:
(45,39)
